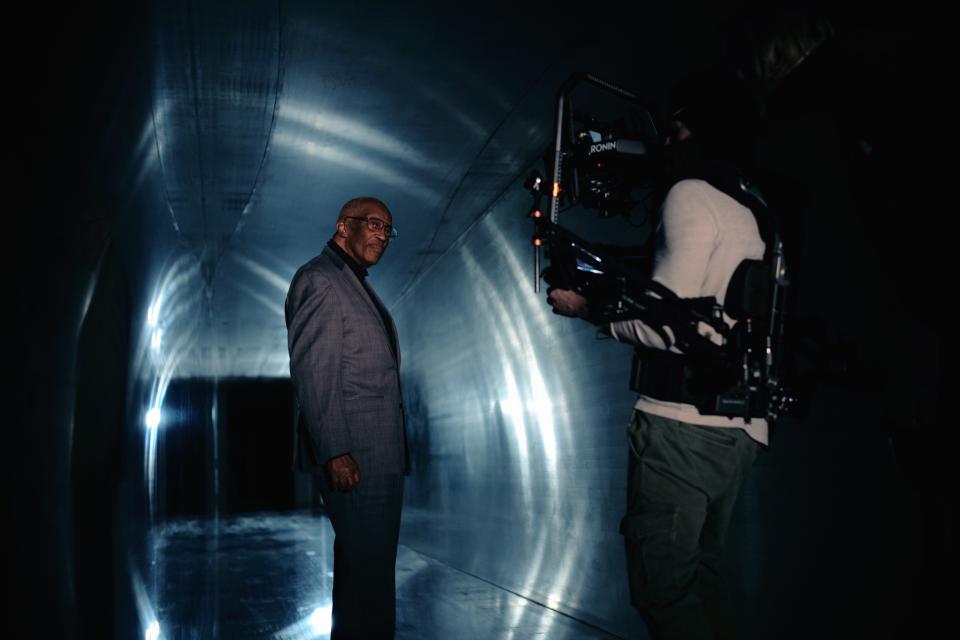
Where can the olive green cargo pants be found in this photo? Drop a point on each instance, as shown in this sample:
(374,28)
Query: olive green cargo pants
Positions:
(683,483)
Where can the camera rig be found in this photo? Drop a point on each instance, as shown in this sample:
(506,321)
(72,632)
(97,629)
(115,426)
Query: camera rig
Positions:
(601,167)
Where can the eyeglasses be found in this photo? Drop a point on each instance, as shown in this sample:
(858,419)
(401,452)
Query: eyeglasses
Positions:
(376,225)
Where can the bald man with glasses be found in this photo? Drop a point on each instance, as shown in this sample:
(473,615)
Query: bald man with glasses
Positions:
(344,364)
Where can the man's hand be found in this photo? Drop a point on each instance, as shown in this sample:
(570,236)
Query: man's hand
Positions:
(566,302)
(344,472)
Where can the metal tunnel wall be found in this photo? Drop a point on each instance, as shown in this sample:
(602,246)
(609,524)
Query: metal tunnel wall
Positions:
(517,422)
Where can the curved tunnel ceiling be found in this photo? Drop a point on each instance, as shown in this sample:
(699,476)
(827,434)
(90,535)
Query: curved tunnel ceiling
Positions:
(268,116)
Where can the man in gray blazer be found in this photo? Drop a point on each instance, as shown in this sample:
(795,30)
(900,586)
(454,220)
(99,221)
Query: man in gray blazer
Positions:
(345,363)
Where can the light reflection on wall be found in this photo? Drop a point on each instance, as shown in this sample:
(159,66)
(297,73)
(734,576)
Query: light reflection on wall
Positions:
(350,143)
(522,415)
(276,283)
(272,304)
(170,330)
(272,278)
(172,322)
(456,112)
(531,307)
(153,631)
(145,609)
(145,157)
(316,625)
(526,403)
(341,158)
(355,133)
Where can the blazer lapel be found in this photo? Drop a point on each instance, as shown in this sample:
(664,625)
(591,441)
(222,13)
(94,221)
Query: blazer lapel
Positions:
(371,299)
(392,329)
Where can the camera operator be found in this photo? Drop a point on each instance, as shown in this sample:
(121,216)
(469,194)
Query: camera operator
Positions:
(686,468)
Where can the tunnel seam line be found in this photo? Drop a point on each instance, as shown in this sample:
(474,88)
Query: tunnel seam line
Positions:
(519,595)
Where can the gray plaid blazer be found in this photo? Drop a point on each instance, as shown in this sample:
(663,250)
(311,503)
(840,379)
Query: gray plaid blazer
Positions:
(345,376)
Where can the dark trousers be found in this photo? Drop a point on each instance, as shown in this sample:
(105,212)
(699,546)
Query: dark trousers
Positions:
(683,483)
(366,524)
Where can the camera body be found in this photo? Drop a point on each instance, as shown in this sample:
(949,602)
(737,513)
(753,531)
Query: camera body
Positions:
(609,172)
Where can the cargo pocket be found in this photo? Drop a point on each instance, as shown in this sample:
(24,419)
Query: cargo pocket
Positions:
(650,537)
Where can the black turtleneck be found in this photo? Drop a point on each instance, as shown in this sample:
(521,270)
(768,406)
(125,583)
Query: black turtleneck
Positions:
(357,269)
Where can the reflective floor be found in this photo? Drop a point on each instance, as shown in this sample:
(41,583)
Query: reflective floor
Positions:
(270,575)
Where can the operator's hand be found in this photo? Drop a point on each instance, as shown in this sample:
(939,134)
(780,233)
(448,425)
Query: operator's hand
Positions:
(566,302)
(344,472)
